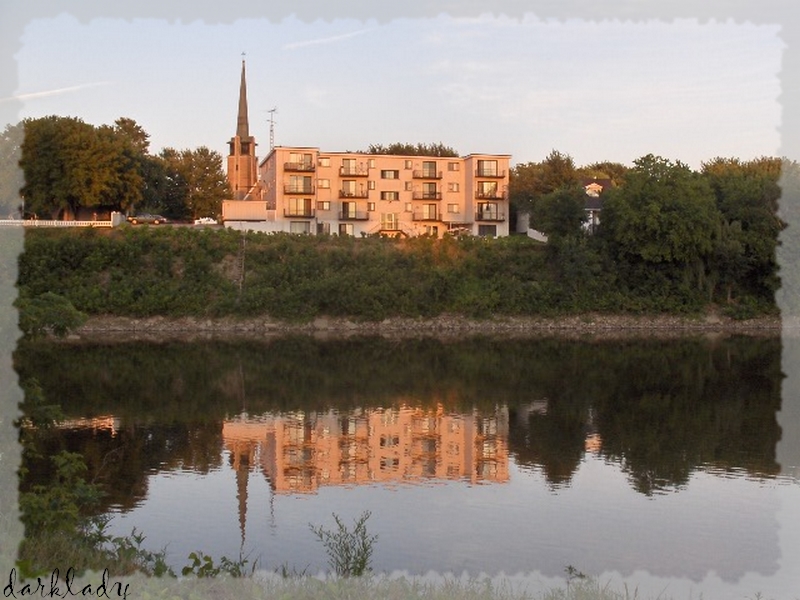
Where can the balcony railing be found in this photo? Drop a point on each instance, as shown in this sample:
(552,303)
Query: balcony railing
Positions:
(489,215)
(353,215)
(353,171)
(431,215)
(353,193)
(299,166)
(299,211)
(489,195)
(426,195)
(490,173)
(298,189)
(427,174)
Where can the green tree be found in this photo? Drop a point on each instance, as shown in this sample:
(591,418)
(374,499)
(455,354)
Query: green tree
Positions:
(530,181)
(560,213)
(420,149)
(69,164)
(747,195)
(11,176)
(195,183)
(664,215)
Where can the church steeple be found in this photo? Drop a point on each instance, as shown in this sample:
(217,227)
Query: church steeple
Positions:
(242,126)
(242,162)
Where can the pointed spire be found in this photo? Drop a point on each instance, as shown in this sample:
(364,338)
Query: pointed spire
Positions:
(242,126)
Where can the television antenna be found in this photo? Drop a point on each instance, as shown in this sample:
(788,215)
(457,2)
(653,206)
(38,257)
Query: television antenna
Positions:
(272,112)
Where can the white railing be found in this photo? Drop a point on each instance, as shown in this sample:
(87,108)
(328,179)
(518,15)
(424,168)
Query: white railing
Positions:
(53,223)
(116,219)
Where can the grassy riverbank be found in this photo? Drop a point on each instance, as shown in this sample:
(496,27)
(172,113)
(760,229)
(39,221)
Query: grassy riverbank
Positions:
(217,274)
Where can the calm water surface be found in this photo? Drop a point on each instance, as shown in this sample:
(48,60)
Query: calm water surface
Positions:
(642,460)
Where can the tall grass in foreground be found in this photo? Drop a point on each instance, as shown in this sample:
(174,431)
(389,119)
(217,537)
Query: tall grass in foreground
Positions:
(272,585)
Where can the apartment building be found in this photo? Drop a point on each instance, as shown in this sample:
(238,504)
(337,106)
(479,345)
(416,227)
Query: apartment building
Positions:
(309,191)
(306,190)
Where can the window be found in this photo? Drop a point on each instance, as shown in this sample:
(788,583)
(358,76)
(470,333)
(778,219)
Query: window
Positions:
(324,184)
(487,168)
(453,166)
(300,160)
(324,161)
(323,205)
(408,206)
(323,228)
(429,168)
(452,187)
(345,229)
(432,230)
(487,230)
(348,210)
(390,196)
(389,221)
(453,208)
(300,184)
(390,174)
(348,187)
(409,186)
(408,164)
(429,191)
(299,227)
(428,212)
(370,185)
(487,211)
(371,163)
(487,189)
(299,207)
(370,206)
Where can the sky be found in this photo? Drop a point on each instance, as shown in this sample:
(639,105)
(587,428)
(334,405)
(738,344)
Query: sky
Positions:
(597,91)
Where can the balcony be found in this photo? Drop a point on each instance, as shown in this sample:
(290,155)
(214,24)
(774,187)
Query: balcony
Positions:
(302,167)
(353,172)
(298,212)
(353,215)
(426,174)
(426,195)
(490,173)
(354,194)
(429,215)
(489,215)
(298,189)
(489,195)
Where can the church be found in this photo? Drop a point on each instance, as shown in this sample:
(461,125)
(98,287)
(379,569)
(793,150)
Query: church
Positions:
(303,189)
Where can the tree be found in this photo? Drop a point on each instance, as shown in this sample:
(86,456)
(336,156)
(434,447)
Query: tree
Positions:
(11,175)
(614,171)
(530,181)
(437,149)
(195,183)
(69,164)
(560,213)
(665,215)
(747,195)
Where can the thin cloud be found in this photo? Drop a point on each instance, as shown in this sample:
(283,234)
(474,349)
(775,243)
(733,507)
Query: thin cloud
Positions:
(50,93)
(325,40)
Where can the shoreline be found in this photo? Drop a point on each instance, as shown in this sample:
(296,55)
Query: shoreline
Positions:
(107,328)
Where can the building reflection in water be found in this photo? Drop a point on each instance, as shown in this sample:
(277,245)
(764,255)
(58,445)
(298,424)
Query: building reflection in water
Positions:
(300,451)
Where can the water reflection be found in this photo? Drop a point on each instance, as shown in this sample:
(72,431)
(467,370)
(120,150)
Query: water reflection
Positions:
(300,451)
(642,454)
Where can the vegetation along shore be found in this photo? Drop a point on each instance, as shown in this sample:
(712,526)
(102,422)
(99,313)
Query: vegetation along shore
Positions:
(153,280)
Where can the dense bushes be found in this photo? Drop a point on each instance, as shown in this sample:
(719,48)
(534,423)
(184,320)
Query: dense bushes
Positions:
(178,272)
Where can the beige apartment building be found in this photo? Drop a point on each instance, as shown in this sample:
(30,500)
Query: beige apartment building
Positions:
(310,191)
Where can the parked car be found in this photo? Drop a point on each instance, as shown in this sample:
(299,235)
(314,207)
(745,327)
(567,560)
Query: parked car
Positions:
(146,218)
(205,221)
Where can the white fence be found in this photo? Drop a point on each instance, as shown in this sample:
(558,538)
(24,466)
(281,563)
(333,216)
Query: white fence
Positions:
(116,219)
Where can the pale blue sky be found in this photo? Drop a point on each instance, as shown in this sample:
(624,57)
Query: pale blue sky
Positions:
(594,90)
